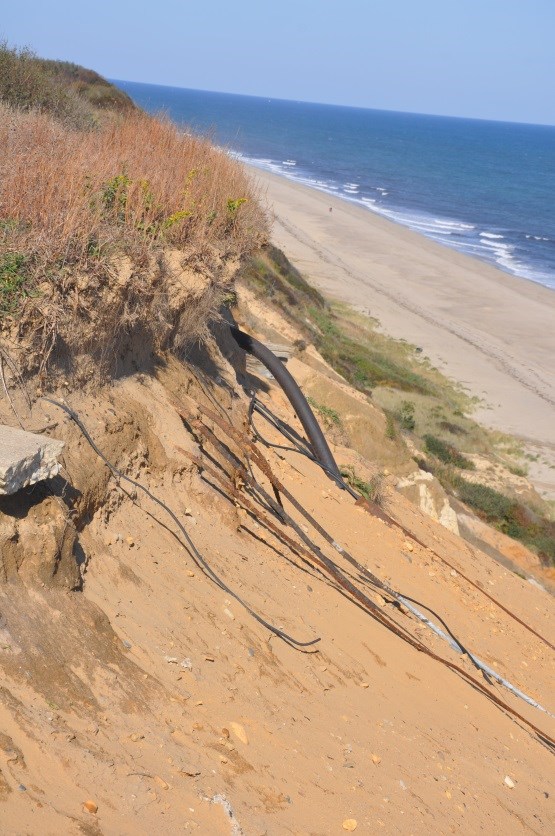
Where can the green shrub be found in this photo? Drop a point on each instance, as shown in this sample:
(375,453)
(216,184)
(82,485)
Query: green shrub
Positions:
(447,453)
(12,282)
(511,517)
(373,489)
(390,428)
(488,502)
(454,429)
(68,92)
(406,416)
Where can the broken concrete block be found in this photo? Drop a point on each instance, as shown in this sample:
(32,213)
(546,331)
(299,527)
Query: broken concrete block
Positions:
(26,458)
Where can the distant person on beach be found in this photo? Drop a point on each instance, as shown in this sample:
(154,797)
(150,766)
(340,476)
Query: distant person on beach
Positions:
(331,208)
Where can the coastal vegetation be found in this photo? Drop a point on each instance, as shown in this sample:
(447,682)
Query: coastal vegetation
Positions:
(372,489)
(422,408)
(101,206)
(72,94)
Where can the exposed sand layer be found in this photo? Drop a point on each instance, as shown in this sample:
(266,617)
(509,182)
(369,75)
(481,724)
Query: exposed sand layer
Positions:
(493,333)
(152,701)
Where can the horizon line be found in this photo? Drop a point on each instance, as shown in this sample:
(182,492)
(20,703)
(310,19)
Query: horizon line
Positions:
(334,104)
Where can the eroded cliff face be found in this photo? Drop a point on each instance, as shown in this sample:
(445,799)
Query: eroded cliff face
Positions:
(140,696)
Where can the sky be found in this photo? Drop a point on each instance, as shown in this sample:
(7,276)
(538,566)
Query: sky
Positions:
(487,59)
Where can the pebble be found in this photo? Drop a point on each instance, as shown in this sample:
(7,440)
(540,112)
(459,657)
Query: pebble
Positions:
(509,782)
(90,806)
(409,547)
(239,733)
(190,574)
(350,825)
(187,664)
(376,759)
(130,542)
(136,736)
(127,644)
(161,783)
(229,614)
(364,684)
(22,788)
(209,659)
(171,660)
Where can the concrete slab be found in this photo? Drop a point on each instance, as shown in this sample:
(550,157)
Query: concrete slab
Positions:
(26,458)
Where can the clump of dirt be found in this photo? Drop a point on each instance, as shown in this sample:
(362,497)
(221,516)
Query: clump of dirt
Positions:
(91,327)
(38,539)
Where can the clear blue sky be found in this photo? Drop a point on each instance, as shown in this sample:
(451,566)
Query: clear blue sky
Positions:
(491,59)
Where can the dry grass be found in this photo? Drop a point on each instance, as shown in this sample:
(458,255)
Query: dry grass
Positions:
(136,198)
(68,197)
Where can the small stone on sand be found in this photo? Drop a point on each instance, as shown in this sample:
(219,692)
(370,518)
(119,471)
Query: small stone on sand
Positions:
(161,783)
(239,733)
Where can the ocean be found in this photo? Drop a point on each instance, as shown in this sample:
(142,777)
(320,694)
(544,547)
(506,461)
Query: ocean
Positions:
(484,188)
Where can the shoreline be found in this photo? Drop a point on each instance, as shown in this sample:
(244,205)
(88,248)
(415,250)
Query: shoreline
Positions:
(491,332)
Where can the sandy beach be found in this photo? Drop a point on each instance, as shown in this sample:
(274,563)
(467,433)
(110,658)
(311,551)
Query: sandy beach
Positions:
(491,332)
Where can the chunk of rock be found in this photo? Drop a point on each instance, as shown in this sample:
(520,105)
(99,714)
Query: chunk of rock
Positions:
(37,542)
(239,731)
(26,458)
(426,492)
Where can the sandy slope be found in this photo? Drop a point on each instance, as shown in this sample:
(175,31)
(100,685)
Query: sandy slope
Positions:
(491,332)
(156,695)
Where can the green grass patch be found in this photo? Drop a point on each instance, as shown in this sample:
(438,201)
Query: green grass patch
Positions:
(388,370)
(70,93)
(405,416)
(358,358)
(12,282)
(492,505)
(329,415)
(371,489)
(446,453)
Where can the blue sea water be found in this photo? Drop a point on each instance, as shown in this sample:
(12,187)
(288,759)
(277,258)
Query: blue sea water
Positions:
(484,188)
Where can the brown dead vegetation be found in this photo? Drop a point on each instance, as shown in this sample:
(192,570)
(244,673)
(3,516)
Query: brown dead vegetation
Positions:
(132,229)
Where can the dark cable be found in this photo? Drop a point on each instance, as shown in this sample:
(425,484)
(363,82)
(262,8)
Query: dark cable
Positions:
(197,557)
(298,447)
(282,427)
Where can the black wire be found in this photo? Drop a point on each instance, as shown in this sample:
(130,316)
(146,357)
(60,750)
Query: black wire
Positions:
(196,555)
(299,446)
(365,577)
